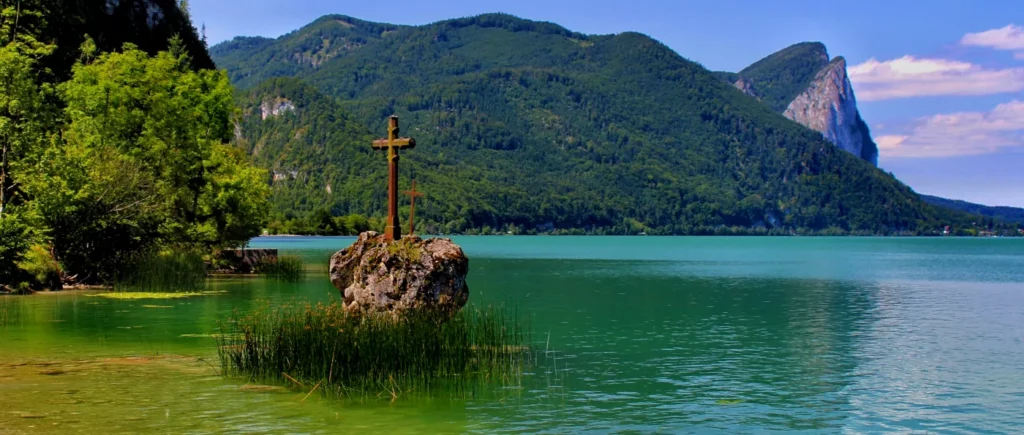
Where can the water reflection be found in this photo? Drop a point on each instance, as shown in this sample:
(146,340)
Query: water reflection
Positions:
(655,351)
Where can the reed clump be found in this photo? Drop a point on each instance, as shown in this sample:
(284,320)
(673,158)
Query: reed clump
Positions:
(374,355)
(6,314)
(283,267)
(164,272)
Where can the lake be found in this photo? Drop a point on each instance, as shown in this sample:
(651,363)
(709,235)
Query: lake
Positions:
(636,334)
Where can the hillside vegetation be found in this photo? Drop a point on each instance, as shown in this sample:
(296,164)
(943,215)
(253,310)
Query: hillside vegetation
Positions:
(526,126)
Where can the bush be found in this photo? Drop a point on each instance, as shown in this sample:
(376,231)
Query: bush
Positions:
(14,243)
(40,267)
(15,238)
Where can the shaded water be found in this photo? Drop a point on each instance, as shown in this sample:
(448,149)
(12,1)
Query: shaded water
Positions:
(652,334)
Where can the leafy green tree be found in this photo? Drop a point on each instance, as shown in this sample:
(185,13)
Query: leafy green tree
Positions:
(24,118)
(146,163)
(26,122)
(15,239)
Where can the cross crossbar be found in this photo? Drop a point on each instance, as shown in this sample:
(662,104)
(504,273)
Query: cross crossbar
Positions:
(400,143)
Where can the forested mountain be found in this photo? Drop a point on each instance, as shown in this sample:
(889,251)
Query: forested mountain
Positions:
(1002,213)
(528,125)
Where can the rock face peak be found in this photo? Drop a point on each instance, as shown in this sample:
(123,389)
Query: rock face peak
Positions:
(829,107)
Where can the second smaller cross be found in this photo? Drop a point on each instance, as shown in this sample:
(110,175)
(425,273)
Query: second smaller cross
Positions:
(412,205)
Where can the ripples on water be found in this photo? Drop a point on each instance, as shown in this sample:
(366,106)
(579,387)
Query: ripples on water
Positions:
(645,335)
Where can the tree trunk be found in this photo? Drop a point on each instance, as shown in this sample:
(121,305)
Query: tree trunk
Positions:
(3,179)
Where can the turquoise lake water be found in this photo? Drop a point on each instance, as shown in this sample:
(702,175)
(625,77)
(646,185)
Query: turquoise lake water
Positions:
(638,334)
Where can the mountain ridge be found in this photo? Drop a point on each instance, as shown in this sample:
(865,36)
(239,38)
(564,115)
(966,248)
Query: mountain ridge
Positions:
(617,132)
(1001,212)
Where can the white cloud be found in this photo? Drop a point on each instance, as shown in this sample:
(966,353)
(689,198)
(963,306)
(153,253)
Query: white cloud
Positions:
(909,76)
(957,134)
(1010,38)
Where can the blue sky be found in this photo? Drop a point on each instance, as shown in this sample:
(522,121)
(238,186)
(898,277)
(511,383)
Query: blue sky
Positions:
(940,82)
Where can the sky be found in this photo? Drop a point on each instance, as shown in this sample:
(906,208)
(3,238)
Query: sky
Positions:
(940,82)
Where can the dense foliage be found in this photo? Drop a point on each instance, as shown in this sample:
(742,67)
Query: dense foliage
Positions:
(149,25)
(128,157)
(526,126)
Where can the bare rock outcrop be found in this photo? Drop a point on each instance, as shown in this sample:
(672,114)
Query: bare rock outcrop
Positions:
(746,87)
(829,107)
(402,276)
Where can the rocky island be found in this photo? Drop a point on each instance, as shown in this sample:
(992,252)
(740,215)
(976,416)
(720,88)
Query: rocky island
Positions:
(401,276)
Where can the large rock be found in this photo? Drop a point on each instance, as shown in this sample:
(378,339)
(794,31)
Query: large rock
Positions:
(401,276)
(244,260)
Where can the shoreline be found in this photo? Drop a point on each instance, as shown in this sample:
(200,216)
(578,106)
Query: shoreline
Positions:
(932,236)
(81,288)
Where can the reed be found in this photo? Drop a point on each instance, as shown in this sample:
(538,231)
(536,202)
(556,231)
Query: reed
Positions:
(164,272)
(284,267)
(348,355)
(5,312)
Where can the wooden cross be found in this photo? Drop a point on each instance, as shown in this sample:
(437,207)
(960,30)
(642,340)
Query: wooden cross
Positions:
(393,143)
(412,204)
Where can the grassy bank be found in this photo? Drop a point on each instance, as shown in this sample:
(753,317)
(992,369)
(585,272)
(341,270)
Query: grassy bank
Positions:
(320,347)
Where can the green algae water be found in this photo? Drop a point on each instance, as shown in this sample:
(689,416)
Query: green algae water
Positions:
(635,334)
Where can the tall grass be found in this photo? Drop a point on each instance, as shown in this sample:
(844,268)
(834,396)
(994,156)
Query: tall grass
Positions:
(5,314)
(284,267)
(164,272)
(323,347)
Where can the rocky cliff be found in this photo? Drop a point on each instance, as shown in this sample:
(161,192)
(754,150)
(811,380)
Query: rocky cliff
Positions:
(746,87)
(829,107)
(800,82)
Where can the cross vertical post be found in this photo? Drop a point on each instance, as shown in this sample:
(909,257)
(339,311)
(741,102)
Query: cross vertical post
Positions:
(393,143)
(412,205)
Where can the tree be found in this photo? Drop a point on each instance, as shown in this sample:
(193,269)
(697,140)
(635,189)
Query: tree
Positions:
(23,117)
(25,123)
(146,164)
(185,9)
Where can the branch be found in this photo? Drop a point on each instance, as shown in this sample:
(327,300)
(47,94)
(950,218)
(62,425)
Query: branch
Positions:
(17,19)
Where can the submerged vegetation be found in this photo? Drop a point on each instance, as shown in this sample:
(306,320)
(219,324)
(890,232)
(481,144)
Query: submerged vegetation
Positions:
(154,295)
(340,354)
